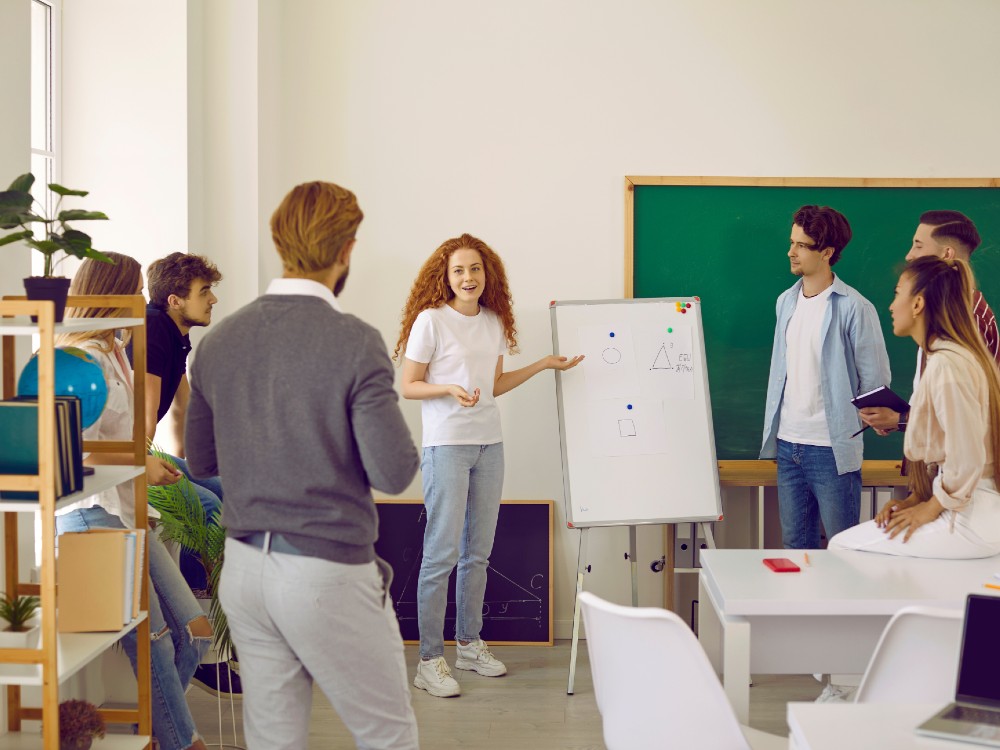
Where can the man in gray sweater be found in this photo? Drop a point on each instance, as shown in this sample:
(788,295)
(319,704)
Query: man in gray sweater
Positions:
(292,401)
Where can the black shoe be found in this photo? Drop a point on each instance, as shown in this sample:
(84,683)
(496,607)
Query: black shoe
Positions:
(218,679)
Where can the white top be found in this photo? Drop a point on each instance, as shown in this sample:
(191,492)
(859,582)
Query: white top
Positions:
(838,582)
(864,726)
(462,350)
(115,423)
(803,416)
(950,423)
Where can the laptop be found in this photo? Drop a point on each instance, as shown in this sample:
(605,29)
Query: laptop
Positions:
(975,714)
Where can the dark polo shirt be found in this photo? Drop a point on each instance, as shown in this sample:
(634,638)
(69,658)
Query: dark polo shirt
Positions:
(166,355)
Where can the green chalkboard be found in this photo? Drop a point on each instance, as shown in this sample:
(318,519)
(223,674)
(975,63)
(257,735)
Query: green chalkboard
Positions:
(728,245)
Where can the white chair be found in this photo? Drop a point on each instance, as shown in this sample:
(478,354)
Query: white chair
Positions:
(916,659)
(654,685)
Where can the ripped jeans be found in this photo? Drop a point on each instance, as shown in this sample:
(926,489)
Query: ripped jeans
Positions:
(174,653)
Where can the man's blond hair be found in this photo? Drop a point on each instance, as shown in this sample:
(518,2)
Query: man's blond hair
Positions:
(313,224)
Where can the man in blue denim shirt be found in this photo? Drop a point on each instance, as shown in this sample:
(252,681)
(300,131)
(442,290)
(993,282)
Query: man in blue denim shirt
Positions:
(828,348)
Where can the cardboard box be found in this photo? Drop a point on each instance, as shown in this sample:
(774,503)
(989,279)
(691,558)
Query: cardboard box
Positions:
(96,576)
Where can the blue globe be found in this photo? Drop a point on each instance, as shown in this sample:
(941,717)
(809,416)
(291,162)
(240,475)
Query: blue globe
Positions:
(77,374)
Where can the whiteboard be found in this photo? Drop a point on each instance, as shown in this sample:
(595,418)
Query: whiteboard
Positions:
(635,417)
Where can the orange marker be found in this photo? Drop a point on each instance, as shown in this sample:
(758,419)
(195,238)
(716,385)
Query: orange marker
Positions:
(805,558)
(991,586)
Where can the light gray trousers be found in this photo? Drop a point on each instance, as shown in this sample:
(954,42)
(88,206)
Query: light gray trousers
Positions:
(295,619)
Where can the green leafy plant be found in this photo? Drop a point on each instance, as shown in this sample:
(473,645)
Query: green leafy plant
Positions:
(79,723)
(17,610)
(183,521)
(16,213)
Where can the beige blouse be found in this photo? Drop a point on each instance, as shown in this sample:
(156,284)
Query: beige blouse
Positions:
(949,422)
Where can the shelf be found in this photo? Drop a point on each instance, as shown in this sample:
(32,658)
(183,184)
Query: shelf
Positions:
(103,478)
(26,741)
(21,325)
(76,650)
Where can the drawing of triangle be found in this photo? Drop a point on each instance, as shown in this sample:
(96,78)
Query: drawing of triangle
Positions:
(662,361)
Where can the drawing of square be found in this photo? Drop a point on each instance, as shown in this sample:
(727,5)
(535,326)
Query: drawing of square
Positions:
(626,427)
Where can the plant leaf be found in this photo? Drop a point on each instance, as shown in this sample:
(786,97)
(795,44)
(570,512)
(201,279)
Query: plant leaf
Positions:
(23,183)
(10,238)
(60,190)
(15,199)
(78,214)
(95,254)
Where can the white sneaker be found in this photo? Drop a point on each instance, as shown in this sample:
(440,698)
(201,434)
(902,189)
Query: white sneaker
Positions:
(836,694)
(434,676)
(477,657)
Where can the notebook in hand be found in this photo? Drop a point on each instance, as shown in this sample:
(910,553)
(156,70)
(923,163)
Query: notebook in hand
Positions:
(975,714)
(881,396)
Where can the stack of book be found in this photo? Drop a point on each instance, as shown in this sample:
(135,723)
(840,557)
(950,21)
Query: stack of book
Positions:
(99,574)
(19,444)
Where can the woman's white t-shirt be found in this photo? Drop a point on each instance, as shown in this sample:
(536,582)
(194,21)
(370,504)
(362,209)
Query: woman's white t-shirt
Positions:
(462,350)
(115,423)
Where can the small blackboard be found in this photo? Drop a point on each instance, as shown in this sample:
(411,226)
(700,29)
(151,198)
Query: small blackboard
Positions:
(518,605)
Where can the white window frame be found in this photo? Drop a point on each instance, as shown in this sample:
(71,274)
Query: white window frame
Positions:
(52,150)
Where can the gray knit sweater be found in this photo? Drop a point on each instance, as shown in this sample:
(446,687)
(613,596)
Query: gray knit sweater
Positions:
(292,405)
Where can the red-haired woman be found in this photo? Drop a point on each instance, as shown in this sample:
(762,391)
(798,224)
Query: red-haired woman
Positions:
(457,324)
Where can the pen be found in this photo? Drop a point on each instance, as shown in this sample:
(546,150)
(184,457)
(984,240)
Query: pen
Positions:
(991,586)
(805,559)
(861,430)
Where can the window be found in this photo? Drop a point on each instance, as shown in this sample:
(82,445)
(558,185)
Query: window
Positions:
(44,103)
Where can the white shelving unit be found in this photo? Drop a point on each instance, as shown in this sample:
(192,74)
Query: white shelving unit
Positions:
(61,655)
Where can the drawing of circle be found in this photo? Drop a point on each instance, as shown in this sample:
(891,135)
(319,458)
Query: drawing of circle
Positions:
(486,609)
(612,356)
(536,580)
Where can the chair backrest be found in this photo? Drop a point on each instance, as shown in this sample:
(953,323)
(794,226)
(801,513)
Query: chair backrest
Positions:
(654,685)
(916,659)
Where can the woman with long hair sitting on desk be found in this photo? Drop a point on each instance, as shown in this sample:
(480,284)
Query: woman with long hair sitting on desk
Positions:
(954,426)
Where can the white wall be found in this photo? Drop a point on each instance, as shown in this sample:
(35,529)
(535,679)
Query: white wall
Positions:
(125,121)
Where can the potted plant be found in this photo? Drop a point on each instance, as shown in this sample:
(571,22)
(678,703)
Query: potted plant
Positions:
(59,237)
(183,521)
(79,723)
(19,613)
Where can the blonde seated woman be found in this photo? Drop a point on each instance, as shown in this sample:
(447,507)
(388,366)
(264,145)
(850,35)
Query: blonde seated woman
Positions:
(954,426)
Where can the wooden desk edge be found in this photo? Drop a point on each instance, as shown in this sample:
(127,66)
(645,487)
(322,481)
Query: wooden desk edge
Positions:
(764,473)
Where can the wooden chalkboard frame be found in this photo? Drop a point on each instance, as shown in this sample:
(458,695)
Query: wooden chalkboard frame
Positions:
(549,603)
(746,473)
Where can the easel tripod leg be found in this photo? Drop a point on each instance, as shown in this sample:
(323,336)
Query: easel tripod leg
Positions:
(581,568)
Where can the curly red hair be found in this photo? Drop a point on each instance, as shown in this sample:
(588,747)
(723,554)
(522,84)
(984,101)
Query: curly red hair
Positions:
(431,289)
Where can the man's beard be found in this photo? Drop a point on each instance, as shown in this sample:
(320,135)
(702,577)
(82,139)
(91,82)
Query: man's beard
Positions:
(191,323)
(339,286)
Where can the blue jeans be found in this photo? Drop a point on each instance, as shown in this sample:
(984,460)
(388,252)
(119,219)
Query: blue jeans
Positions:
(809,489)
(171,607)
(210,494)
(462,486)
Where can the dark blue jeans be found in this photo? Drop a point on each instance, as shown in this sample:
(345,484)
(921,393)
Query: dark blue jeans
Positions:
(810,490)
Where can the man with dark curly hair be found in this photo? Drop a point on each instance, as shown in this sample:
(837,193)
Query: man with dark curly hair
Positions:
(828,348)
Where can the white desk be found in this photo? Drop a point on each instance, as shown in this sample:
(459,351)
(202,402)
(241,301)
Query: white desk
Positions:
(826,619)
(863,726)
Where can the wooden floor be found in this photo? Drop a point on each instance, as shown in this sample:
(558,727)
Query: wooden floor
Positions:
(526,710)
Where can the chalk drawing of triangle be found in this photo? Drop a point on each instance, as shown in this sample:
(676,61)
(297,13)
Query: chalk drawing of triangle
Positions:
(662,361)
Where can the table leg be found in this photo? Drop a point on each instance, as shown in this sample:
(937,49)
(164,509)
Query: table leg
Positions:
(736,665)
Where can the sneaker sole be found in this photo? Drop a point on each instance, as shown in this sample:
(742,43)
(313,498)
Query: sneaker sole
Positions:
(471,666)
(419,682)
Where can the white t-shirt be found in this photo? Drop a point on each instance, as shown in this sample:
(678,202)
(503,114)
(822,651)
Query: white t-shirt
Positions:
(803,417)
(115,423)
(462,350)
